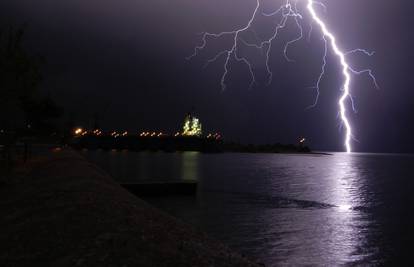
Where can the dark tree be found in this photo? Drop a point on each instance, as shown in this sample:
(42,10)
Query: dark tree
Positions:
(19,76)
(41,114)
(23,111)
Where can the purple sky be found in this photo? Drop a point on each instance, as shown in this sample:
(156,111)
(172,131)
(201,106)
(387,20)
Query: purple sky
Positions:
(126,60)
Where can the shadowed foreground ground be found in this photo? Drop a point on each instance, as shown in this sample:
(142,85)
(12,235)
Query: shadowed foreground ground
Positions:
(63,211)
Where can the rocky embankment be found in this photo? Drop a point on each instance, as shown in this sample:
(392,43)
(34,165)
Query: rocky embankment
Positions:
(63,211)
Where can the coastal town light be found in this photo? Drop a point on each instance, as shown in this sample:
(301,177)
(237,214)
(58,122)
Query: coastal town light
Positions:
(192,126)
(97,132)
(78,131)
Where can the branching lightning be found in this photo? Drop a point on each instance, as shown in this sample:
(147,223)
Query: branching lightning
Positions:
(289,10)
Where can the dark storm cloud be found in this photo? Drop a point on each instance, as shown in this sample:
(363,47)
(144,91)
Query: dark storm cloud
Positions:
(126,60)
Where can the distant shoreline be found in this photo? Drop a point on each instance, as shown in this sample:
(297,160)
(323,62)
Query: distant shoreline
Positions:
(179,143)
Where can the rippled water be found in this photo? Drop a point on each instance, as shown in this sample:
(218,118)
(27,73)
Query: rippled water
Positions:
(327,210)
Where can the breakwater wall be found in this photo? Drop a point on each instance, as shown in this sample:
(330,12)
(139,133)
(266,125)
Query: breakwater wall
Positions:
(61,210)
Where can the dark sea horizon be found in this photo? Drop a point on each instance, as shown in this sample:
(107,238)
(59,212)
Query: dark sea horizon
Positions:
(287,209)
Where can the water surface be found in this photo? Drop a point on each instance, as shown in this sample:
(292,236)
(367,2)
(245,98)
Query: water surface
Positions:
(287,209)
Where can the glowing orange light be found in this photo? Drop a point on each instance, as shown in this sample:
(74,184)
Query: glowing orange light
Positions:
(78,131)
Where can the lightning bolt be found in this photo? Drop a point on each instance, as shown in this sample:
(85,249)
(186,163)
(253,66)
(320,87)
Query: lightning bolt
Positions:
(289,10)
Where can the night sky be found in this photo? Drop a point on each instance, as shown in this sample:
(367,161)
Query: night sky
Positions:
(126,61)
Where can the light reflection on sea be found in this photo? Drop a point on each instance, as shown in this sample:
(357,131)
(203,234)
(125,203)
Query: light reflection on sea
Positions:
(287,209)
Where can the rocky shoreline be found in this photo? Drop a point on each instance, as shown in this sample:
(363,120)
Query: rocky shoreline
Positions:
(61,210)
